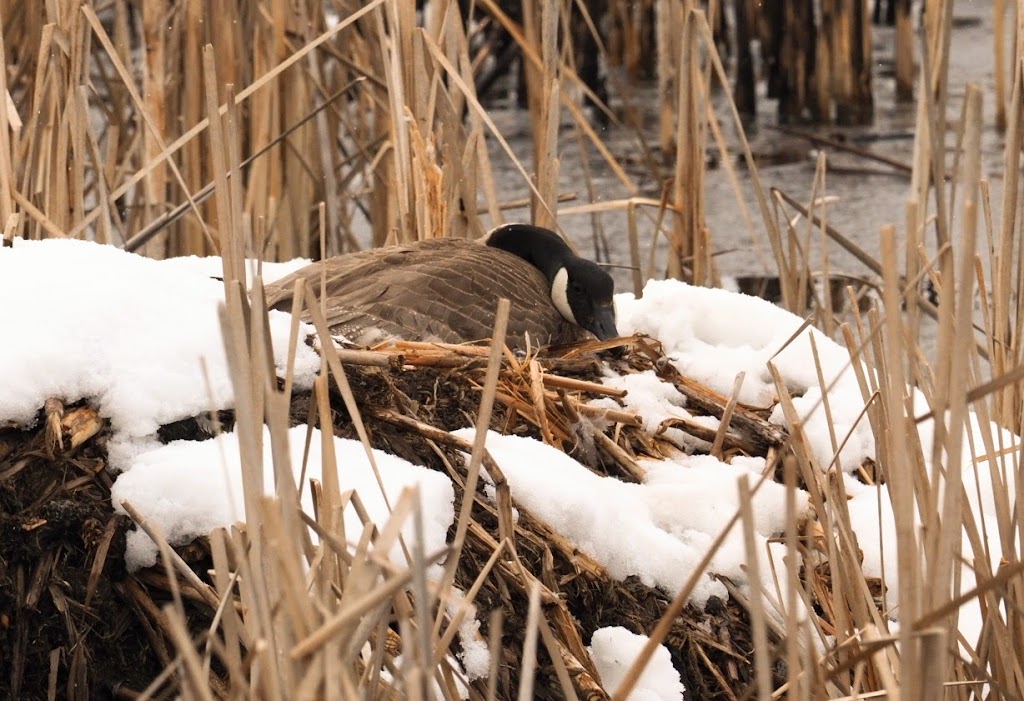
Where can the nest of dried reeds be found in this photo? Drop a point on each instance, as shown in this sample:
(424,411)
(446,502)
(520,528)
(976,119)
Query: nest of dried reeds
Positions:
(72,616)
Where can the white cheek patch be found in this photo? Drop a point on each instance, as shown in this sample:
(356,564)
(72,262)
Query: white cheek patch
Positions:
(560,294)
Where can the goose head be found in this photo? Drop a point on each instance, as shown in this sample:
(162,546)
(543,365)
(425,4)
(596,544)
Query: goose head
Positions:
(580,289)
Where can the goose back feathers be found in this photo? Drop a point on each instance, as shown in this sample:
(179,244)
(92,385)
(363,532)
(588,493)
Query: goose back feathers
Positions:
(444,290)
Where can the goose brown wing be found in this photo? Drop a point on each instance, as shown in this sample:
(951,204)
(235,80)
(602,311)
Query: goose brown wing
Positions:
(443,289)
(351,283)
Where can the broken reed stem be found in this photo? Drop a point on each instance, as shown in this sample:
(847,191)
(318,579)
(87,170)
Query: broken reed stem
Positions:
(723,427)
(180,565)
(546,120)
(945,550)
(6,165)
(689,151)
(900,469)
(757,615)
(677,604)
(529,661)
(483,423)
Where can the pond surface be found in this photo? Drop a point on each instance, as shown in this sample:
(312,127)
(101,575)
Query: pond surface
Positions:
(867,195)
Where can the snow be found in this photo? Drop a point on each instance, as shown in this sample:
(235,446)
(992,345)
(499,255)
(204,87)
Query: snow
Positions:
(657,531)
(190,488)
(475,655)
(712,335)
(655,401)
(614,651)
(212,266)
(871,515)
(130,334)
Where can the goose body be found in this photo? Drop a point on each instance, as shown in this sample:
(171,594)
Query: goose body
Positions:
(448,290)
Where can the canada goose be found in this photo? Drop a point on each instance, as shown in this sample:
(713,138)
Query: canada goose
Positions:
(448,289)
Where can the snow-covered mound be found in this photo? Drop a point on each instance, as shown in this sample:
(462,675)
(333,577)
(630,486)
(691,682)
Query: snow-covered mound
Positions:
(712,335)
(614,650)
(657,531)
(139,338)
(190,488)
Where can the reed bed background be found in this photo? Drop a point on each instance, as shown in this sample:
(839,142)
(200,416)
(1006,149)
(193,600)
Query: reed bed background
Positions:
(280,129)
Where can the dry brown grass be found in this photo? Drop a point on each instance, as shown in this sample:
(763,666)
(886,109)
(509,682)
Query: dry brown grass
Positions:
(124,112)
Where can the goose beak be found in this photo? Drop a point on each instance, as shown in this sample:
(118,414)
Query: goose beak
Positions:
(604,322)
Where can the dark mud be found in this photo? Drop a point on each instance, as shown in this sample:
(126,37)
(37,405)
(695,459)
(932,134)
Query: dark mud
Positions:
(55,514)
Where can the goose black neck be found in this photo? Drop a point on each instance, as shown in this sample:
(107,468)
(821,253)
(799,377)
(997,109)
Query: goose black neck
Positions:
(541,248)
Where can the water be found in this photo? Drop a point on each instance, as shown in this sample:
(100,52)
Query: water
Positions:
(867,195)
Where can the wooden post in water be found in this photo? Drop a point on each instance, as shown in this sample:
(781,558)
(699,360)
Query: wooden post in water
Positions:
(744,90)
(842,71)
(771,26)
(999,32)
(823,62)
(865,95)
(533,82)
(719,27)
(668,57)
(796,58)
(851,62)
(618,41)
(905,51)
(634,25)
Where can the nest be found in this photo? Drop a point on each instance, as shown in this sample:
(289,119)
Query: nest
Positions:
(74,622)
